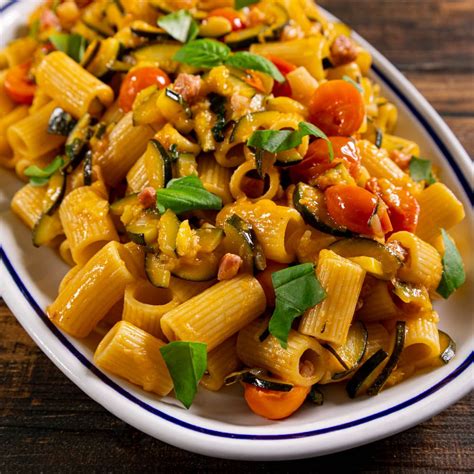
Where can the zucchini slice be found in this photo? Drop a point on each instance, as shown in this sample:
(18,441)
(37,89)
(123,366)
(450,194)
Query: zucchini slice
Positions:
(240,240)
(46,229)
(157,273)
(99,60)
(87,172)
(142,234)
(247,124)
(76,142)
(168,228)
(56,191)
(144,107)
(366,373)
(398,344)
(201,268)
(178,98)
(447,346)
(352,352)
(60,122)
(209,238)
(159,54)
(244,38)
(310,203)
(157,164)
(163,6)
(145,30)
(361,247)
(316,396)
(259,378)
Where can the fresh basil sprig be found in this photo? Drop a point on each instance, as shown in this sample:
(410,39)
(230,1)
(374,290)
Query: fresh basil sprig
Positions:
(73,45)
(453,275)
(40,176)
(210,53)
(275,141)
(186,194)
(354,83)
(296,290)
(238,4)
(186,362)
(421,170)
(180,25)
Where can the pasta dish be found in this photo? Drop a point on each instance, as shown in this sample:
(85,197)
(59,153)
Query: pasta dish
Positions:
(226,182)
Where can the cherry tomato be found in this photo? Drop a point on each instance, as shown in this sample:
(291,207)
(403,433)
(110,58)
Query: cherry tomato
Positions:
(273,404)
(18,85)
(357,209)
(403,208)
(231,15)
(316,160)
(139,79)
(337,108)
(281,89)
(265,279)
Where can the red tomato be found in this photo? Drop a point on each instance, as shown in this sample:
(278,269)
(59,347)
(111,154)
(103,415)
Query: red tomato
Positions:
(137,80)
(403,208)
(281,89)
(18,85)
(273,404)
(316,160)
(337,108)
(231,15)
(357,209)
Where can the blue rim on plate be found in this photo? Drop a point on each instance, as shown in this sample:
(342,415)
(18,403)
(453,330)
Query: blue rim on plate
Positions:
(104,378)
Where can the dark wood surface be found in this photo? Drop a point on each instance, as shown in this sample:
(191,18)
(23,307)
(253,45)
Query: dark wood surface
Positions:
(48,425)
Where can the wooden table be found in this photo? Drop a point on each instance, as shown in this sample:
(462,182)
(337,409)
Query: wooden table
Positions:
(48,424)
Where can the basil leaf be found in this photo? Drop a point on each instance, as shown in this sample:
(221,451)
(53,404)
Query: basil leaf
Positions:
(180,25)
(354,83)
(203,53)
(186,362)
(73,45)
(238,4)
(421,170)
(296,290)
(246,60)
(40,176)
(453,269)
(275,141)
(186,194)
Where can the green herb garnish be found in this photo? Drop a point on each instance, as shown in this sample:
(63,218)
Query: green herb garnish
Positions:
(209,53)
(421,170)
(186,362)
(275,141)
(40,176)
(73,45)
(186,194)
(453,269)
(296,290)
(180,25)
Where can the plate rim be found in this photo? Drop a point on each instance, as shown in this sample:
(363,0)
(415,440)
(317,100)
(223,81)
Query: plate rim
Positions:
(457,379)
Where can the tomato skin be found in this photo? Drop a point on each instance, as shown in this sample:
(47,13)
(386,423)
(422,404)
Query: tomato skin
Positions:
(231,15)
(316,160)
(354,207)
(337,108)
(137,80)
(281,89)
(18,85)
(265,279)
(272,404)
(403,207)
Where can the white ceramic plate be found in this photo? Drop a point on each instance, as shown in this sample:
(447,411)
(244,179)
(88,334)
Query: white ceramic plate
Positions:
(220,424)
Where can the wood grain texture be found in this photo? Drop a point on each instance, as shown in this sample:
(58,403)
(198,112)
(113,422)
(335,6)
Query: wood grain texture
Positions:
(48,425)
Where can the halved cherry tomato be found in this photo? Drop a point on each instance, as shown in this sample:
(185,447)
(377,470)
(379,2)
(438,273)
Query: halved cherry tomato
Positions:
(337,108)
(403,208)
(18,84)
(253,79)
(231,15)
(272,404)
(316,160)
(357,209)
(139,79)
(265,279)
(281,89)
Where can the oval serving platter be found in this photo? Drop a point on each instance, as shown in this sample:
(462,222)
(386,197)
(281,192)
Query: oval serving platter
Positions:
(220,424)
